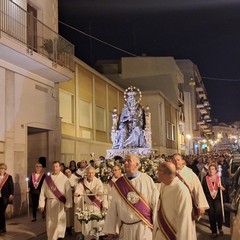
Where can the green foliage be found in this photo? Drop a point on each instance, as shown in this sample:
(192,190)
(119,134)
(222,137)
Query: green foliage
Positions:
(62,46)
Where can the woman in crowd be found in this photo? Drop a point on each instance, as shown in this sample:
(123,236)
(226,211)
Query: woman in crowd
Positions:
(212,188)
(73,166)
(6,194)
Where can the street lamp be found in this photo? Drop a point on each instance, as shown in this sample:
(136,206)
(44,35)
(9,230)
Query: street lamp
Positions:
(188,136)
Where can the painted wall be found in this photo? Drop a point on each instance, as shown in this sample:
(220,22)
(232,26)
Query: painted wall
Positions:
(90,98)
(28,101)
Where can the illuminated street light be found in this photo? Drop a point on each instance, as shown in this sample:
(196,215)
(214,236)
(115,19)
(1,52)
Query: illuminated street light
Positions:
(188,136)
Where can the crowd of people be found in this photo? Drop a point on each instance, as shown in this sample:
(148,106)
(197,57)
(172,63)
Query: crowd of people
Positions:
(135,207)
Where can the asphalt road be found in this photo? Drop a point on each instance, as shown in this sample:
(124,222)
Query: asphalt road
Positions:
(203,232)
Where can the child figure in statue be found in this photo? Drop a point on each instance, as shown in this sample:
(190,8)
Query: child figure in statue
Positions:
(132,122)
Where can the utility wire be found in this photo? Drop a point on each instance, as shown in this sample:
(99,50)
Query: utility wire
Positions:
(222,79)
(134,55)
(99,40)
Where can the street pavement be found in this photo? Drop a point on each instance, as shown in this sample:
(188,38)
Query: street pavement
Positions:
(21,228)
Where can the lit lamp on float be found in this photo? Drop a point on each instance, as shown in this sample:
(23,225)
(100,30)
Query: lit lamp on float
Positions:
(27,195)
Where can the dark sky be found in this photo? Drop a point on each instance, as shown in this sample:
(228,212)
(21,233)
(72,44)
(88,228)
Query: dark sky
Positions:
(205,31)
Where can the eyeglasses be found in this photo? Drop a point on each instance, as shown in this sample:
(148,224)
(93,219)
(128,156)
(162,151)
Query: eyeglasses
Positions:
(38,166)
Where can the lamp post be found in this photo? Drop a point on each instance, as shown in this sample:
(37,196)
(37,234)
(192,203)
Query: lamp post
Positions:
(188,136)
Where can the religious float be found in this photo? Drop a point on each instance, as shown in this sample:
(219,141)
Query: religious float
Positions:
(131,131)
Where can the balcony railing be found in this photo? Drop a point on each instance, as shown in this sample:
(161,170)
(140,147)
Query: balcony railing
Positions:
(17,23)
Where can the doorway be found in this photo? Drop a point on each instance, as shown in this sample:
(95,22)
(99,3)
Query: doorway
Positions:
(32,27)
(37,147)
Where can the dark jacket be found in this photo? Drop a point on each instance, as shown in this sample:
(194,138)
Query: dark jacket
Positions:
(31,186)
(7,189)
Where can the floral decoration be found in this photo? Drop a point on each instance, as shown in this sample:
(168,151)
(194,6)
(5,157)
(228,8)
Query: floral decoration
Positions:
(148,166)
(85,216)
(104,170)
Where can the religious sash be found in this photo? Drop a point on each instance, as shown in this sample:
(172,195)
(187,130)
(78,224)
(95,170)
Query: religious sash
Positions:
(134,199)
(93,198)
(194,204)
(110,182)
(213,186)
(3,180)
(166,228)
(35,180)
(55,190)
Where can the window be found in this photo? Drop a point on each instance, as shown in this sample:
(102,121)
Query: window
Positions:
(169,130)
(66,106)
(85,114)
(173,132)
(100,119)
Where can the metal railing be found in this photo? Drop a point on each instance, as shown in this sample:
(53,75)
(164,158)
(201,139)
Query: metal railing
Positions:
(38,37)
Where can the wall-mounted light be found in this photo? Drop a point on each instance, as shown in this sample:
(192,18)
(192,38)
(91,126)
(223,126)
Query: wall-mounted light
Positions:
(192,82)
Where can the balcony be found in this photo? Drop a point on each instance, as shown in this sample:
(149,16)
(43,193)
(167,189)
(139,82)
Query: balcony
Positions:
(203,111)
(27,43)
(199,105)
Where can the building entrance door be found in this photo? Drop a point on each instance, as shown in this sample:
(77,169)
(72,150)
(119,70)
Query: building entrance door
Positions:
(37,147)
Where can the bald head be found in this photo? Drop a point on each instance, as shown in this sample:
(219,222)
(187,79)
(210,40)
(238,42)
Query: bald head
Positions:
(168,168)
(166,172)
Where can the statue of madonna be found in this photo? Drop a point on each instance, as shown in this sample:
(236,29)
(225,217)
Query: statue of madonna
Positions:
(130,132)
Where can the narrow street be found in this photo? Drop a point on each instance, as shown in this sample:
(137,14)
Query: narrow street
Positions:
(203,233)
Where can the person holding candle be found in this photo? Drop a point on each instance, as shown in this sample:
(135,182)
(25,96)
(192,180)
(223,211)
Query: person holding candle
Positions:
(35,183)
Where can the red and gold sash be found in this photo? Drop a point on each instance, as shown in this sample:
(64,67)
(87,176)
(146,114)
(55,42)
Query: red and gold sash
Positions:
(93,198)
(166,228)
(36,181)
(194,204)
(139,205)
(4,180)
(55,190)
(213,186)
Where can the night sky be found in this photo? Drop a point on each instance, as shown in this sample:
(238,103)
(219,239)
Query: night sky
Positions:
(205,31)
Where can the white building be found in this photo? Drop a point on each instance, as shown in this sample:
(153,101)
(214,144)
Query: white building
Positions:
(196,108)
(33,59)
(158,79)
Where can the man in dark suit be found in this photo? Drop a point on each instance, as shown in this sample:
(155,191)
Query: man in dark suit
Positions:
(35,184)
(6,194)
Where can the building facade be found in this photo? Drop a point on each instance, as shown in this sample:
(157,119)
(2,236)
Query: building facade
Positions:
(32,62)
(196,109)
(158,79)
(86,106)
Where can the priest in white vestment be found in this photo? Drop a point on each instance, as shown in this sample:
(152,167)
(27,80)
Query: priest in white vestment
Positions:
(174,207)
(89,185)
(236,225)
(124,221)
(193,182)
(117,173)
(56,192)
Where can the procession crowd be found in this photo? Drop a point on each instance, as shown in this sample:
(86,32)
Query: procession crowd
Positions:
(130,205)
